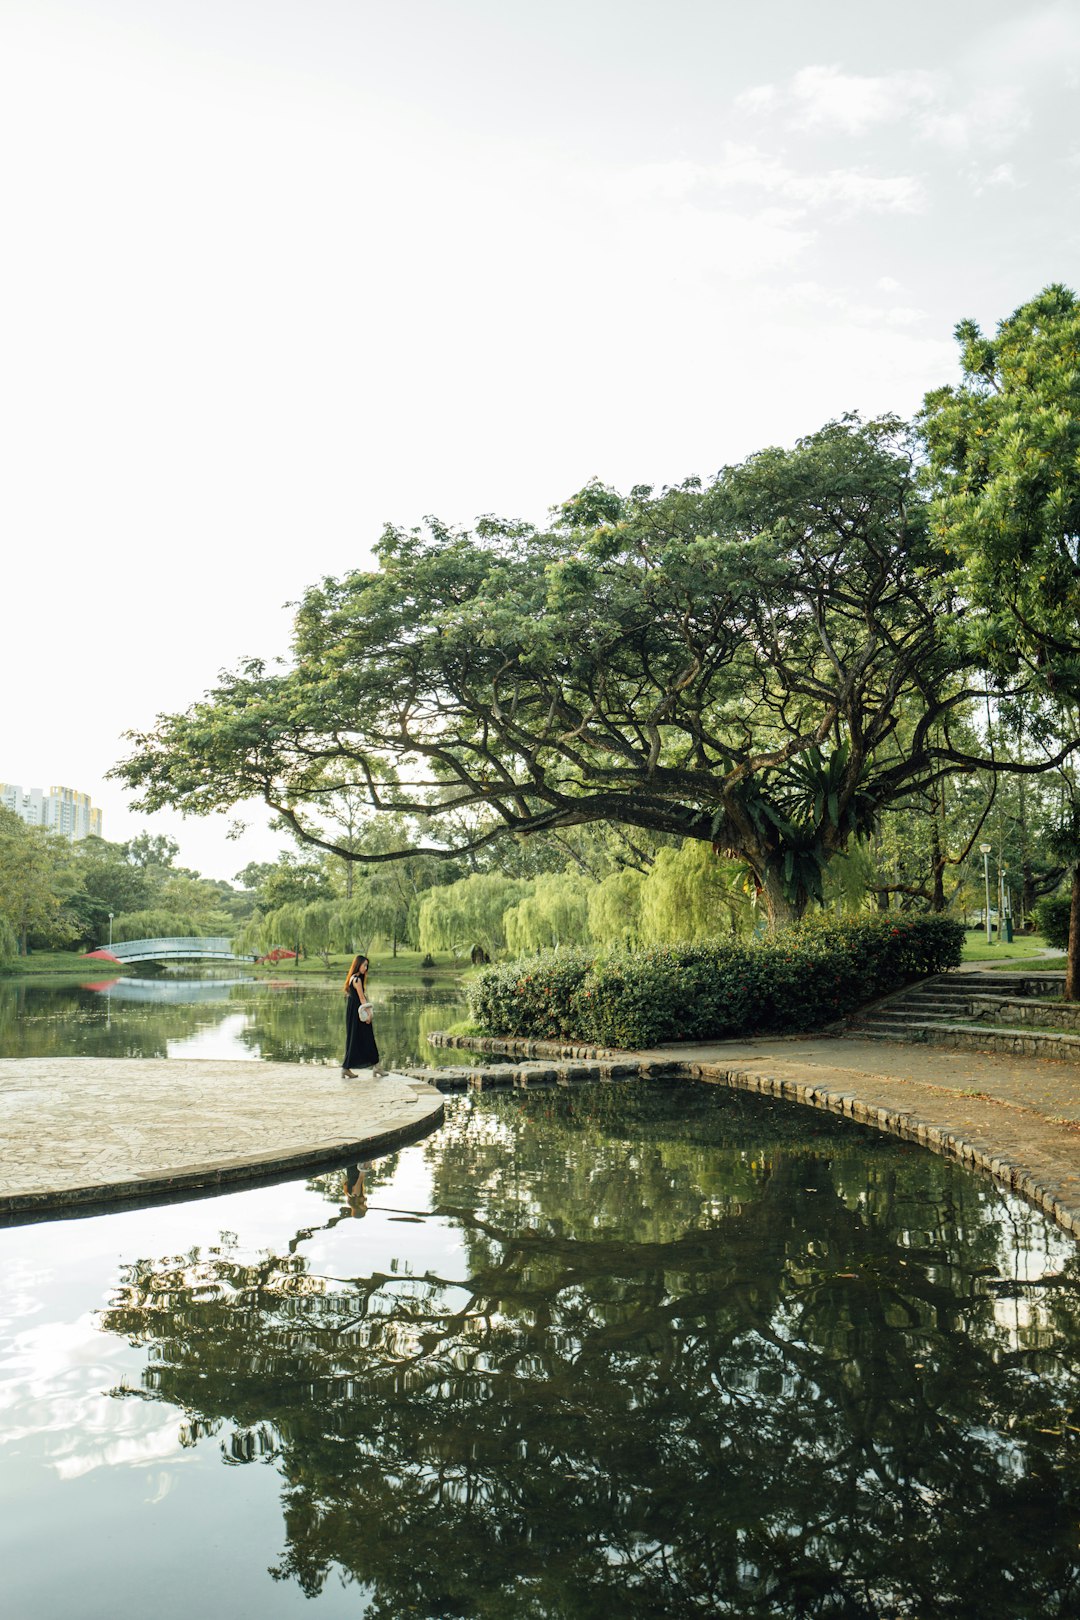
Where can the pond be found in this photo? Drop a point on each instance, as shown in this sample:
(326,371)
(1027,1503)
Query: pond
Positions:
(633,1350)
(172,1015)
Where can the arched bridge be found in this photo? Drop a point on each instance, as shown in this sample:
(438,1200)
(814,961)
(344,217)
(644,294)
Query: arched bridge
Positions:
(211,947)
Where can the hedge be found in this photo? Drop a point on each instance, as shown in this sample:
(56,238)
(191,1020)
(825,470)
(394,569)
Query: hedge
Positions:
(1052,920)
(797,980)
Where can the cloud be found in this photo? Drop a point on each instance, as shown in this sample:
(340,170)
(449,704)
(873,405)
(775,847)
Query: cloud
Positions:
(742,167)
(827,98)
(822,97)
(760,98)
(990,121)
(811,298)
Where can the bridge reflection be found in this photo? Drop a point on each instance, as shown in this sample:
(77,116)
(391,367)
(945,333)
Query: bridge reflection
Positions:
(166,991)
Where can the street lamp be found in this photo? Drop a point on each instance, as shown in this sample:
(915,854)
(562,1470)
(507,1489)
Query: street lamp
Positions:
(110,930)
(986,848)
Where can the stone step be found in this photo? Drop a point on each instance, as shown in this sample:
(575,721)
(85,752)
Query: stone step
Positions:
(925,1003)
(975,1037)
(886,1015)
(1009,983)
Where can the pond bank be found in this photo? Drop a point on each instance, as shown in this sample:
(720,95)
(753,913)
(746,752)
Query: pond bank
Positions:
(1015,1118)
(81,1131)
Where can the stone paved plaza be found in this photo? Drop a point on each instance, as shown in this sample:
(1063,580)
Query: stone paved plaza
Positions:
(89,1130)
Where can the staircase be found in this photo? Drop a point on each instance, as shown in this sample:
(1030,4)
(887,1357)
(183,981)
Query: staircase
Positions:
(979,1011)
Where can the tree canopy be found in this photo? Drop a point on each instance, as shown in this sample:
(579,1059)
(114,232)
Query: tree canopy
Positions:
(1004,449)
(756,663)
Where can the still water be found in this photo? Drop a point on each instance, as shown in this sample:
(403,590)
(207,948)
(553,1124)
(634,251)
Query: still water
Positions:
(198,1017)
(636,1350)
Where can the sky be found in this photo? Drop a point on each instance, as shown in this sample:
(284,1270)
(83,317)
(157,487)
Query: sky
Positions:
(277,272)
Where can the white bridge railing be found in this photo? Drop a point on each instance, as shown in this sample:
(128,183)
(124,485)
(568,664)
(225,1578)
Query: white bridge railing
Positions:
(214,947)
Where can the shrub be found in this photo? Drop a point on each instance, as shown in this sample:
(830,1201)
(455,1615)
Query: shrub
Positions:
(1052,919)
(798,980)
(533,996)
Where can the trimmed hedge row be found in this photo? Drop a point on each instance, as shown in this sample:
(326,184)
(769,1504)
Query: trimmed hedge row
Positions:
(797,980)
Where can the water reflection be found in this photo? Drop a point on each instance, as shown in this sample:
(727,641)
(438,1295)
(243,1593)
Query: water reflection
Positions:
(188,1016)
(682,1352)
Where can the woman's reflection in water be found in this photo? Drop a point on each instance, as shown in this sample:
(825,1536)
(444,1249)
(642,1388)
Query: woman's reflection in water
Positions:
(355,1191)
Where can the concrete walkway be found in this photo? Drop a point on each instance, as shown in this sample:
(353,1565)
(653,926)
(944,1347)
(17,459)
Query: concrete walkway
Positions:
(83,1131)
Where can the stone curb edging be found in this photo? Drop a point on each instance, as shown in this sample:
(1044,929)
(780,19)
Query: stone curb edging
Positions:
(519,1046)
(247,1170)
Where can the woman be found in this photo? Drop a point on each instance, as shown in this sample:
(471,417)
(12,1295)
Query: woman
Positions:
(360,1049)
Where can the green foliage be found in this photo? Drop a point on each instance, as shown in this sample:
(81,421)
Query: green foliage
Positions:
(535,997)
(1052,919)
(158,925)
(799,979)
(690,894)
(33,883)
(555,913)
(469,912)
(615,908)
(1005,454)
(721,663)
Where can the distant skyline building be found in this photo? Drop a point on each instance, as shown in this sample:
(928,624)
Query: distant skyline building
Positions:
(63,810)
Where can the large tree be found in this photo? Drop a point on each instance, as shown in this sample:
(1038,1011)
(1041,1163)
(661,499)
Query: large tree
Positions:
(1004,449)
(34,879)
(727,663)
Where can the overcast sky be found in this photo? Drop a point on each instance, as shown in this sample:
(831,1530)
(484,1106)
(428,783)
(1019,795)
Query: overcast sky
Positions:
(277,271)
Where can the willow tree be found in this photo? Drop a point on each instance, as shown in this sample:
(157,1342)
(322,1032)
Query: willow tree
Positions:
(726,663)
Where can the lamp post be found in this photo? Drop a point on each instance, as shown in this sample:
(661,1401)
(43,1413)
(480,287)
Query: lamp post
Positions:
(985,849)
(110,930)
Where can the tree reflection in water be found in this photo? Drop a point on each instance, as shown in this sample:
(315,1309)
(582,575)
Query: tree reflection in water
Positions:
(708,1355)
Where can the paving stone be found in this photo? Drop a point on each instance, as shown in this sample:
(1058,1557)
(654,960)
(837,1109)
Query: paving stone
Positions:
(90,1130)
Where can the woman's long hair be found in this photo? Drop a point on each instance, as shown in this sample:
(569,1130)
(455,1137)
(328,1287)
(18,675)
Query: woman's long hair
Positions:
(355,971)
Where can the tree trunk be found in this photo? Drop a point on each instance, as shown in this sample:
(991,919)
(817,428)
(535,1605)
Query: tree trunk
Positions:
(781,911)
(937,900)
(1072,972)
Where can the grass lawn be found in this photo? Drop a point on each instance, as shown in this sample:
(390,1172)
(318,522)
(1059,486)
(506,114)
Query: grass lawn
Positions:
(1022,949)
(60,965)
(384,967)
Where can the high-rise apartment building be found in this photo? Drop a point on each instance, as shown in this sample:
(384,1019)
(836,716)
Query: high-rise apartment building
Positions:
(62,809)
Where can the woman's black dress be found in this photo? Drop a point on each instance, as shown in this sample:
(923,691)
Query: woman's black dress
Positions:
(361,1051)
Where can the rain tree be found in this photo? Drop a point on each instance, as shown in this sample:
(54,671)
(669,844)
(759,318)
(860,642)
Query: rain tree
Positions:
(724,663)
